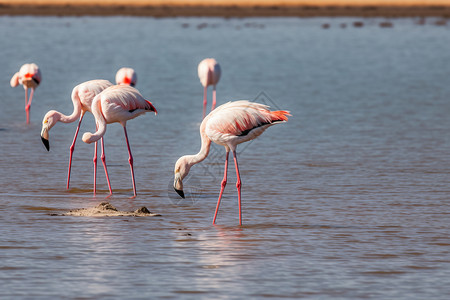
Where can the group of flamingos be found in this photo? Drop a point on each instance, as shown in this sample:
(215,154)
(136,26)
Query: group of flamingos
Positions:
(228,125)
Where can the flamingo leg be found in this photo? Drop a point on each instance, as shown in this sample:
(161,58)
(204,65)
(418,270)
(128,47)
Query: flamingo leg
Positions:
(214,99)
(31,98)
(222,187)
(238,186)
(204,101)
(95,168)
(28,105)
(27,108)
(103,158)
(72,148)
(130,160)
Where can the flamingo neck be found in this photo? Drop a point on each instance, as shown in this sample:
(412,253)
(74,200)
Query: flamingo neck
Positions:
(99,120)
(204,150)
(75,114)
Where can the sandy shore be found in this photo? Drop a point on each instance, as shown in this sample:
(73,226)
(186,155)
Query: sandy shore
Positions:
(106,209)
(229,8)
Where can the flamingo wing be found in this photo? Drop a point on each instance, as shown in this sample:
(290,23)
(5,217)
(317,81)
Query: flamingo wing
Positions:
(240,121)
(209,72)
(120,103)
(15,80)
(30,75)
(203,70)
(86,91)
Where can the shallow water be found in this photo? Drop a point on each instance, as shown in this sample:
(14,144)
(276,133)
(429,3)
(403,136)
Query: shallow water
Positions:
(349,199)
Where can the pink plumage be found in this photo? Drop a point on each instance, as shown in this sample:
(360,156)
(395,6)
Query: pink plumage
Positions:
(118,103)
(126,76)
(30,77)
(228,125)
(82,97)
(209,74)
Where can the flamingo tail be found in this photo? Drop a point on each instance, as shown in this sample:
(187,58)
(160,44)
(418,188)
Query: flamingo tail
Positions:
(149,106)
(280,115)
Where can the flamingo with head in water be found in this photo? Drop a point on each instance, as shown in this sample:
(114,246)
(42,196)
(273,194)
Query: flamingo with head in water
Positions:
(82,96)
(118,103)
(126,76)
(209,74)
(228,125)
(30,77)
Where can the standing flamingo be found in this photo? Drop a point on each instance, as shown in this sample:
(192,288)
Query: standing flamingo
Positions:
(209,74)
(126,76)
(30,77)
(82,96)
(118,103)
(228,125)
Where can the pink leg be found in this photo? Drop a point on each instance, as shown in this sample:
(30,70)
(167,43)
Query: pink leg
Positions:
(72,147)
(222,187)
(214,99)
(238,185)
(28,105)
(95,168)
(204,101)
(130,160)
(103,157)
(27,108)
(31,97)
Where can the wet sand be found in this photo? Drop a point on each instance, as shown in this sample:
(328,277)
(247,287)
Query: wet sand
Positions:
(106,209)
(222,8)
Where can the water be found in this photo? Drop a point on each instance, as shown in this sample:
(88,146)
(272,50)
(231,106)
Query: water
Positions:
(347,200)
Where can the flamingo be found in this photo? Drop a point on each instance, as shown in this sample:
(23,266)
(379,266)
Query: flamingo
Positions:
(209,74)
(82,96)
(118,103)
(126,76)
(228,125)
(30,77)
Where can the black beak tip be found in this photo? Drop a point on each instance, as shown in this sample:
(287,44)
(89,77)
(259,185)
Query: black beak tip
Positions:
(46,143)
(179,192)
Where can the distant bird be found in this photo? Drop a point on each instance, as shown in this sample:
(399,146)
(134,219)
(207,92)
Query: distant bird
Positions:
(118,103)
(30,77)
(82,96)
(126,76)
(228,125)
(209,74)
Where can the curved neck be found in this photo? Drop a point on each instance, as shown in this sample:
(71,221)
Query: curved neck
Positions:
(99,120)
(75,114)
(204,150)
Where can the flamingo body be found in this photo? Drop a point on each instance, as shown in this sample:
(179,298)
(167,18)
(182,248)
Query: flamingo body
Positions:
(228,125)
(29,76)
(118,103)
(126,76)
(82,96)
(209,74)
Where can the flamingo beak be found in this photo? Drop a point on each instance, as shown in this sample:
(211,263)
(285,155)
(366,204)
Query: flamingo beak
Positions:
(180,192)
(44,137)
(178,185)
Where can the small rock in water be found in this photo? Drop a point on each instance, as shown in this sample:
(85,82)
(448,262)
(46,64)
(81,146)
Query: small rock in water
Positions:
(142,210)
(106,206)
(386,24)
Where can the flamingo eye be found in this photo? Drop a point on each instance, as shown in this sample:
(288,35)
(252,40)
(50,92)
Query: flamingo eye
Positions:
(46,121)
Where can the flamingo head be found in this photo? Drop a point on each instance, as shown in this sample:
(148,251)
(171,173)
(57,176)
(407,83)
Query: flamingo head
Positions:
(48,122)
(182,168)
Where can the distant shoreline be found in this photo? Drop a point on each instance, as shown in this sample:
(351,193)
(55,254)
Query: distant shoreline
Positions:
(104,9)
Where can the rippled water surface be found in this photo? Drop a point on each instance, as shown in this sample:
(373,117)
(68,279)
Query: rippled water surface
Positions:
(348,200)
